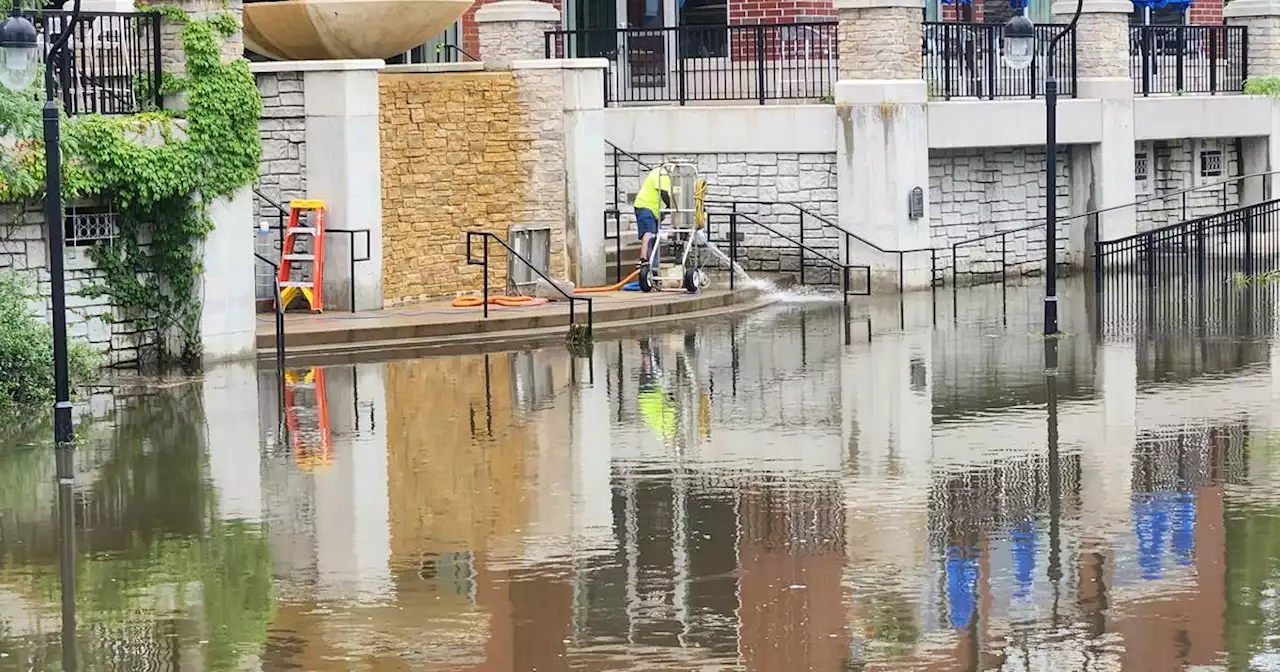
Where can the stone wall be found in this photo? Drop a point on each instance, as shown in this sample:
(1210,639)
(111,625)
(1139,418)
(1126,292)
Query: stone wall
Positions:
(763,186)
(1174,166)
(24,253)
(880,43)
(978,192)
(283,172)
(475,151)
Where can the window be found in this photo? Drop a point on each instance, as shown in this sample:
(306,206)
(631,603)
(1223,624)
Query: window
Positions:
(1140,169)
(90,225)
(1144,169)
(1211,163)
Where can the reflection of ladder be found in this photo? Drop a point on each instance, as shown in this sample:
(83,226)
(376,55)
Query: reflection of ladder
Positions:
(303,253)
(311,446)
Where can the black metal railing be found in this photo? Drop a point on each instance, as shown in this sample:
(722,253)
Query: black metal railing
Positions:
(1190,273)
(1188,59)
(1024,238)
(732,236)
(282,214)
(963,60)
(789,61)
(279,311)
(483,261)
(113,61)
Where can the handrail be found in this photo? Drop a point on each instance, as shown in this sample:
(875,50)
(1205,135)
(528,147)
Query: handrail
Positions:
(629,155)
(484,261)
(279,328)
(353,259)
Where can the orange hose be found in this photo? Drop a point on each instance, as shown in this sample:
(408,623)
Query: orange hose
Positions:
(609,288)
(508,301)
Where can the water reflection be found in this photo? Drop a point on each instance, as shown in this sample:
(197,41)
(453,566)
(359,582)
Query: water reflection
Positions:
(957,494)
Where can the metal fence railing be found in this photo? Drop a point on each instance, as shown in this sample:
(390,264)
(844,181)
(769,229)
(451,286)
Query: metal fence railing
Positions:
(964,60)
(1188,59)
(794,61)
(113,61)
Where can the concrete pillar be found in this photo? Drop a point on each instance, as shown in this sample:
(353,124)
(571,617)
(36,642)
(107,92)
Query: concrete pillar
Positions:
(343,168)
(882,149)
(584,166)
(227,313)
(1102,174)
(514,30)
(173,58)
(1261,18)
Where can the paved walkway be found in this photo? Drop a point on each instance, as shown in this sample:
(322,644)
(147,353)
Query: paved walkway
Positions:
(436,322)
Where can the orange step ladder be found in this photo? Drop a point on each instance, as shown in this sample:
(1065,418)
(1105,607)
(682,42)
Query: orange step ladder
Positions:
(312,448)
(303,253)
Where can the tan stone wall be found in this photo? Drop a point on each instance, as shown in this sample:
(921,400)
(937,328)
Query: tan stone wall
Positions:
(880,43)
(1264,44)
(479,151)
(1102,45)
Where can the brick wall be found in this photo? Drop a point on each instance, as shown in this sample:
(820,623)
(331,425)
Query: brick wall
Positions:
(779,11)
(1206,13)
(467,151)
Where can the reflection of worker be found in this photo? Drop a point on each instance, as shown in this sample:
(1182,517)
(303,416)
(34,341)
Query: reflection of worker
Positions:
(656,405)
(654,194)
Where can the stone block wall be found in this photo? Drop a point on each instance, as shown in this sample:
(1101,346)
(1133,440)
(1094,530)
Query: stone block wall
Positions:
(765,187)
(1174,165)
(24,252)
(884,42)
(474,151)
(978,192)
(283,171)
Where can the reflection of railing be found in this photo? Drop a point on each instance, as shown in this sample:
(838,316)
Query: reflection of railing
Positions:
(963,60)
(701,63)
(483,261)
(279,332)
(1188,59)
(282,212)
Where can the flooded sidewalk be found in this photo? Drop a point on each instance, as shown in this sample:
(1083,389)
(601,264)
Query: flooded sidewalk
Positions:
(745,493)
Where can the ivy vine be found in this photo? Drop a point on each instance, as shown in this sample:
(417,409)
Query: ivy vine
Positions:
(160,169)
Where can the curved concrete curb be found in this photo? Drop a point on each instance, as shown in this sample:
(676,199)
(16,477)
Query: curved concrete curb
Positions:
(395,341)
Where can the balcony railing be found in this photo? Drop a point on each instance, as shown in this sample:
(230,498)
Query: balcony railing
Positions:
(114,61)
(1188,59)
(795,61)
(963,60)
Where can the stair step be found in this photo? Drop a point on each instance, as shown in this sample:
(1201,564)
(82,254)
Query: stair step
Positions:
(303,230)
(297,283)
(300,257)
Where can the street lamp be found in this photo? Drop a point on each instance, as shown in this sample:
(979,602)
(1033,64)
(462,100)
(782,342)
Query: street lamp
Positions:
(1019,46)
(19,47)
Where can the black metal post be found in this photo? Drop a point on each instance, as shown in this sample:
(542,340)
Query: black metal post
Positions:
(802,247)
(760,92)
(733,250)
(485,271)
(63,434)
(1051,180)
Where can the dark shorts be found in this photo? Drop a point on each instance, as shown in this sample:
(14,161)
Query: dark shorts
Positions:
(646,222)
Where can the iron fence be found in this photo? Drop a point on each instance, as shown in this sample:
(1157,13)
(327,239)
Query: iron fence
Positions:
(964,60)
(793,61)
(1188,59)
(113,60)
(1210,273)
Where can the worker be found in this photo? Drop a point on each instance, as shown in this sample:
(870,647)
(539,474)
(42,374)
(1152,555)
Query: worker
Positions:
(654,195)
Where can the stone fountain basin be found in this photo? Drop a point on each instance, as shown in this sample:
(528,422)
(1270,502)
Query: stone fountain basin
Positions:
(309,30)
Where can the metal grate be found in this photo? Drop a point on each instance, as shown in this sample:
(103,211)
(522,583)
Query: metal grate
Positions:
(1211,163)
(1140,170)
(91,225)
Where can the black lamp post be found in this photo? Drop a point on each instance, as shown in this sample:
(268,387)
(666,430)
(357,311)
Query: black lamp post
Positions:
(1019,44)
(19,46)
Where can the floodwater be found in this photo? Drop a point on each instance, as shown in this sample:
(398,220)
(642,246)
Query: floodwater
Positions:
(746,494)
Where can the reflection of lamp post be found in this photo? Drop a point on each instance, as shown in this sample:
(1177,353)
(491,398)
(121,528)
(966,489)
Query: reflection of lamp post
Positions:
(1055,469)
(1019,49)
(18,58)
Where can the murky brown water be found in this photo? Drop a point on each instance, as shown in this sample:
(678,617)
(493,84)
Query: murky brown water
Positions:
(751,494)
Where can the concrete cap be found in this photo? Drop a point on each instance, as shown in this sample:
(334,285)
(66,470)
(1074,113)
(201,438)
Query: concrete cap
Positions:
(1238,9)
(877,91)
(1105,88)
(510,11)
(467,66)
(878,4)
(1068,7)
(561,64)
(317,66)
